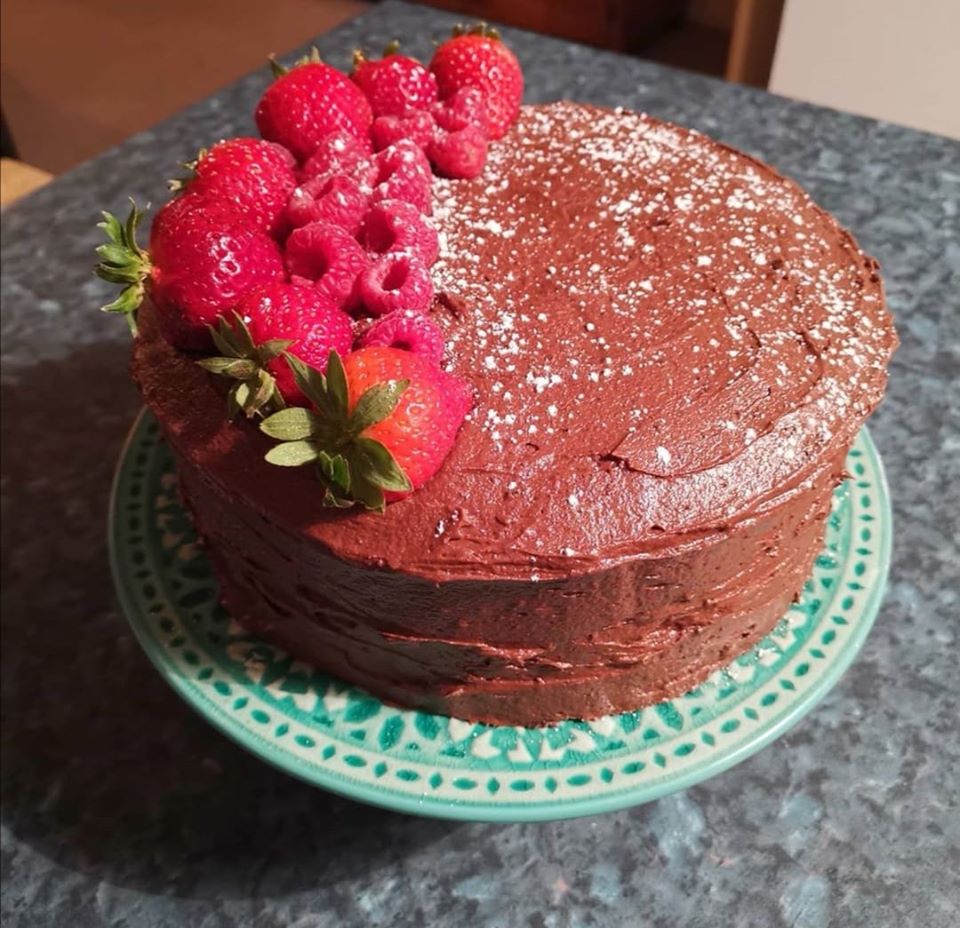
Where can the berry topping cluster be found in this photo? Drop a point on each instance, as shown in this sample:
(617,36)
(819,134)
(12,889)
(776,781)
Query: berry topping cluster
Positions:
(297,265)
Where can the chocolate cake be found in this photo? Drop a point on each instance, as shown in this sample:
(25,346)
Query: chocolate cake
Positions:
(672,349)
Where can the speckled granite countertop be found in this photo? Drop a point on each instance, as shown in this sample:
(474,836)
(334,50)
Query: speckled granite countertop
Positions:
(122,808)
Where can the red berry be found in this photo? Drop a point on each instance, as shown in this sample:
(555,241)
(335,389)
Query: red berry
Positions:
(422,428)
(338,153)
(461,153)
(329,257)
(392,225)
(204,256)
(302,315)
(407,330)
(302,107)
(481,61)
(333,198)
(466,107)
(394,83)
(402,172)
(255,176)
(415,125)
(396,281)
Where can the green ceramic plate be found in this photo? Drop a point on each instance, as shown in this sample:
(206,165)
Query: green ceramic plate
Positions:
(343,739)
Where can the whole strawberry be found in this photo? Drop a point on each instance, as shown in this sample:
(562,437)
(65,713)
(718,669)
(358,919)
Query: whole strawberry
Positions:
(203,257)
(308,102)
(383,422)
(477,58)
(394,83)
(266,322)
(254,176)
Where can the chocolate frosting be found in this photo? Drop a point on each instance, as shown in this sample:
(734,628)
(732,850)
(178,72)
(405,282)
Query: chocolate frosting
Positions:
(672,348)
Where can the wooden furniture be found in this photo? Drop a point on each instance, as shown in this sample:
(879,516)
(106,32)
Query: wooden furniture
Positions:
(623,25)
(18,179)
(735,39)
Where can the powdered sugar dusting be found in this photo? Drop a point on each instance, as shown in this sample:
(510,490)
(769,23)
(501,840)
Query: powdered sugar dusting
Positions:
(622,282)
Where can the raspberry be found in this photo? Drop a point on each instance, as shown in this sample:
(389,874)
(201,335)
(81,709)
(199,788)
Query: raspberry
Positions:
(402,172)
(466,107)
(409,331)
(333,198)
(396,282)
(392,225)
(415,125)
(327,256)
(339,152)
(461,153)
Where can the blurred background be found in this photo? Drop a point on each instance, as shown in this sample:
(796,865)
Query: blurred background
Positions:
(78,76)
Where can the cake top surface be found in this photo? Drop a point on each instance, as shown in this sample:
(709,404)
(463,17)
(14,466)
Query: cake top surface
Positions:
(664,334)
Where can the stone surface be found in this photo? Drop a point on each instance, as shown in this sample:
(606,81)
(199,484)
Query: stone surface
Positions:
(122,808)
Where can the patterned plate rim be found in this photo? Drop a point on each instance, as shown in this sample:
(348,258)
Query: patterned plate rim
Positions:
(756,732)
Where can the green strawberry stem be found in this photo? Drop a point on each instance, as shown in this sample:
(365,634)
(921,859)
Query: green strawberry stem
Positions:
(254,390)
(481,28)
(353,467)
(124,262)
(181,183)
(278,69)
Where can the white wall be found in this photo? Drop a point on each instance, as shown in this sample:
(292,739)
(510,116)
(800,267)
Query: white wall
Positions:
(897,60)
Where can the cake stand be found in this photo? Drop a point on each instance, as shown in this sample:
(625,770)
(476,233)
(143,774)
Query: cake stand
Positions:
(343,739)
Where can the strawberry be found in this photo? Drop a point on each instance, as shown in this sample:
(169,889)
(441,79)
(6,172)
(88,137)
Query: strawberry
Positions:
(396,281)
(333,198)
(477,58)
(308,102)
(407,330)
(383,422)
(461,153)
(415,125)
(392,225)
(268,321)
(394,83)
(203,257)
(338,153)
(402,172)
(466,107)
(327,256)
(255,176)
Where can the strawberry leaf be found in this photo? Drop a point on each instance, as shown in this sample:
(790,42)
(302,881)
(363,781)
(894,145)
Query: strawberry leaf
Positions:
(273,348)
(339,502)
(265,387)
(376,404)
(123,261)
(380,467)
(334,470)
(292,424)
(311,382)
(238,368)
(336,381)
(366,492)
(292,453)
